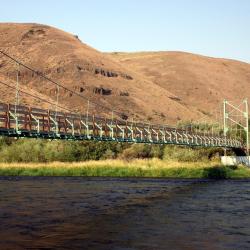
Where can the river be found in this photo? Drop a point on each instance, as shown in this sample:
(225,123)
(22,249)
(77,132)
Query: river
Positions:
(123,214)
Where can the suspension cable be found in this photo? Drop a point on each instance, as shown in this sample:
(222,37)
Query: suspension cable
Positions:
(34,96)
(56,83)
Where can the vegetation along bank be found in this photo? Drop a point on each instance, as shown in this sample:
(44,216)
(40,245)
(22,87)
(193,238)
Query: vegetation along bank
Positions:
(28,157)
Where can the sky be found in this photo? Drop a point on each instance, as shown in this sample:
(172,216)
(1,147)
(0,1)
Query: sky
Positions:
(217,28)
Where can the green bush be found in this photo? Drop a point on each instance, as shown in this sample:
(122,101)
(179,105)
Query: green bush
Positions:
(186,154)
(180,154)
(142,151)
(135,151)
(22,152)
(218,172)
(38,150)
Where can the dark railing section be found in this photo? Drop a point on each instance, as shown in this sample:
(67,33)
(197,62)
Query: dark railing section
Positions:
(22,121)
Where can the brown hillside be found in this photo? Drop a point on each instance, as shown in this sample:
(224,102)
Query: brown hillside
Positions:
(198,82)
(157,87)
(95,75)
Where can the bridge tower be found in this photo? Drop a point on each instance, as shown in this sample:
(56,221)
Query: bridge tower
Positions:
(236,120)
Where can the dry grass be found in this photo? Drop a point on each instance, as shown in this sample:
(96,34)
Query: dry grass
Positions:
(117,168)
(143,164)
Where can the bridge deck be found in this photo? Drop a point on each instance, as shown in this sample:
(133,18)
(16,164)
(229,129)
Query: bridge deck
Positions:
(22,121)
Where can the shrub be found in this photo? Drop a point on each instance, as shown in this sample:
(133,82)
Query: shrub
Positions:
(179,154)
(185,154)
(38,150)
(142,151)
(217,172)
(135,151)
(21,151)
(109,154)
(156,151)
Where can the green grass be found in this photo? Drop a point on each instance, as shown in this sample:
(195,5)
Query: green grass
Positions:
(119,168)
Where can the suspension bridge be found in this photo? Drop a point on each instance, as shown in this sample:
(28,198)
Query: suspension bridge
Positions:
(18,120)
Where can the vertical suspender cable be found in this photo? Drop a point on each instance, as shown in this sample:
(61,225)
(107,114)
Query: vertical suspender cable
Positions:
(87,113)
(57,100)
(17,88)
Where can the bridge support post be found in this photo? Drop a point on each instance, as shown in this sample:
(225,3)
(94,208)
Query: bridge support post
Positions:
(247,125)
(229,115)
(225,117)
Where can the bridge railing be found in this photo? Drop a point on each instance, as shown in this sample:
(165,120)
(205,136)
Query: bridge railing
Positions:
(17,120)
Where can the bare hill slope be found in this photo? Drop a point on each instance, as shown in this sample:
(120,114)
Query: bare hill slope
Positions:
(198,82)
(157,87)
(95,75)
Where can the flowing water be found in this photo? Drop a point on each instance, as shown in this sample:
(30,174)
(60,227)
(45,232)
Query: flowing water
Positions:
(123,214)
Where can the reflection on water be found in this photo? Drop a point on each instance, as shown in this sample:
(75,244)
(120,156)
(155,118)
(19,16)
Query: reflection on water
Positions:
(123,214)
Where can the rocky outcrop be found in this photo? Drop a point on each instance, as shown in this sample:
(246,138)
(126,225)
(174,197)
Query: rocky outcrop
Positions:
(106,73)
(33,33)
(102,91)
(175,98)
(109,73)
(125,76)
(124,93)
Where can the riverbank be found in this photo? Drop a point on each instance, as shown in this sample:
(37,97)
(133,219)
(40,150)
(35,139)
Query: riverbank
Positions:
(119,168)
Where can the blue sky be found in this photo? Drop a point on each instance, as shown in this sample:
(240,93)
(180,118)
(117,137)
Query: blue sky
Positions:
(218,28)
